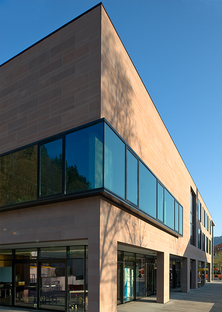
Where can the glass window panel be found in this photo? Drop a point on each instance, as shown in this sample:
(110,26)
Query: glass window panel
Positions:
(168,209)
(26,253)
(140,276)
(199,211)
(53,253)
(176,217)
(114,163)
(52,291)
(76,294)
(51,168)
(5,254)
(77,252)
(5,279)
(131,178)
(26,284)
(181,220)
(199,238)
(160,203)
(147,191)
(18,176)
(84,159)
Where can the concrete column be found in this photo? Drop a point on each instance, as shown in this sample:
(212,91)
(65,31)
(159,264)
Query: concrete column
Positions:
(194,274)
(185,275)
(93,270)
(209,273)
(163,284)
(203,266)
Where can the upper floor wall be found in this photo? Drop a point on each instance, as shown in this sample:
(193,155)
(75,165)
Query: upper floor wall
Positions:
(126,104)
(52,86)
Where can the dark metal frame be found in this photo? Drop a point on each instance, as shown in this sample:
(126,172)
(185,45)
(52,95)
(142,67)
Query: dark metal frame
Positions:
(100,191)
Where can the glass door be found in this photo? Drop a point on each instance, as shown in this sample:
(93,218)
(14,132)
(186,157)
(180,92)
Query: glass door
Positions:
(26,284)
(128,281)
(52,285)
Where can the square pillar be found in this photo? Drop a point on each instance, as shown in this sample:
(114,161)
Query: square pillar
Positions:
(185,275)
(93,270)
(203,266)
(194,274)
(163,280)
(209,272)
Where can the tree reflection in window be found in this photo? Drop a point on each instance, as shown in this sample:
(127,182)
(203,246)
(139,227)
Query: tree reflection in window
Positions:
(51,168)
(18,176)
(84,159)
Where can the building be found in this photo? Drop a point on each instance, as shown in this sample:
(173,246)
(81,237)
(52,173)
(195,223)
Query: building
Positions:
(97,205)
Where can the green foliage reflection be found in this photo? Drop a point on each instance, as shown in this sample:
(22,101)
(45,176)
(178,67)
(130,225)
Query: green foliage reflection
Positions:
(18,176)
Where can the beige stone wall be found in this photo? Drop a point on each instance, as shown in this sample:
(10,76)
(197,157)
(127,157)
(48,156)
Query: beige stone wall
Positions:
(53,86)
(126,104)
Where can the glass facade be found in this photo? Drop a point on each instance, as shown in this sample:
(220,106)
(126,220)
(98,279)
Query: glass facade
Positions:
(47,278)
(168,209)
(132,176)
(136,276)
(90,158)
(147,191)
(84,159)
(51,161)
(199,211)
(114,163)
(18,176)
(199,238)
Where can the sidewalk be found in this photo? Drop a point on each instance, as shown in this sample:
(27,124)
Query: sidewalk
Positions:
(204,299)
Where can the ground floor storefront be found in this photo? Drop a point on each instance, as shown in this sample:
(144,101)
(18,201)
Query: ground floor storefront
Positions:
(55,277)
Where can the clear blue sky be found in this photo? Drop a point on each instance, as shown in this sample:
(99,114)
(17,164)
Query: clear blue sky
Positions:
(176,46)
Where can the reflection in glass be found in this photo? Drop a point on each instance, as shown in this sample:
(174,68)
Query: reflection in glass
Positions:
(140,277)
(51,168)
(168,209)
(52,292)
(18,176)
(76,292)
(128,282)
(53,253)
(26,284)
(84,159)
(180,220)
(176,217)
(5,278)
(160,203)
(147,191)
(76,252)
(131,178)
(26,253)
(114,163)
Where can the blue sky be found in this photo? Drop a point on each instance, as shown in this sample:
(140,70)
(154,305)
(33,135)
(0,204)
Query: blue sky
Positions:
(176,47)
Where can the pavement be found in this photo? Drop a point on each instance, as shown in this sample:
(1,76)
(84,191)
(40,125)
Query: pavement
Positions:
(204,299)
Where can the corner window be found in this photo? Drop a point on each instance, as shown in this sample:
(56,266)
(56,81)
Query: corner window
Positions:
(84,159)
(114,163)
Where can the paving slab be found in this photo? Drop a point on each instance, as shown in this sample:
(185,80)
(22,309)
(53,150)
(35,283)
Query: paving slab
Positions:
(204,299)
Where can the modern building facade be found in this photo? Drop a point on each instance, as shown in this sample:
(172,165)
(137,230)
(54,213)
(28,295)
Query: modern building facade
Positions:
(97,207)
